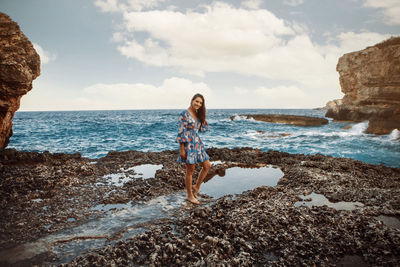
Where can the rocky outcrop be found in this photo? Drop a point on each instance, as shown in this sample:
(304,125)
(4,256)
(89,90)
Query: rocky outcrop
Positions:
(287,119)
(19,66)
(370,80)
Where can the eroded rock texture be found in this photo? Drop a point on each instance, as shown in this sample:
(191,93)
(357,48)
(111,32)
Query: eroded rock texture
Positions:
(370,80)
(287,119)
(19,66)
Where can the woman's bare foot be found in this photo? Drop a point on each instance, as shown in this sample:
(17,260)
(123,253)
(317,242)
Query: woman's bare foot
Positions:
(195,191)
(193,200)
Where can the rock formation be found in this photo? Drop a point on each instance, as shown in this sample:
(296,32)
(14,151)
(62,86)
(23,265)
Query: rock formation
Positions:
(370,80)
(19,66)
(287,119)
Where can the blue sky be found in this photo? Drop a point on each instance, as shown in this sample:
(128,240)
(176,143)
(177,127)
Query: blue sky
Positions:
(155,54)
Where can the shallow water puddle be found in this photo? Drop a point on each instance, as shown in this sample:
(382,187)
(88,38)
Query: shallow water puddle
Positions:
(216,162)
(144,171)
(389,221)
(314,199)
(236,180)
(120,221)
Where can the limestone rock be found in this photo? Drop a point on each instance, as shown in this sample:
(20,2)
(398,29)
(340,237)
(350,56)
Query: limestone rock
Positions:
(370,80)
(288,119)
(19,66)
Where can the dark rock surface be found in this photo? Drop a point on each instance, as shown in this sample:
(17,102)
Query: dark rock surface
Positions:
(19,66)
(287,119)
(259,227)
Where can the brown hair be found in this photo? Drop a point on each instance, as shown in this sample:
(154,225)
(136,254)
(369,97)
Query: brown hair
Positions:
(201,112)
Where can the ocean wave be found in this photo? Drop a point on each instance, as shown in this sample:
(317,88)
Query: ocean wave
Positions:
(357,130)
(242,118)
(213,121)
(394,135)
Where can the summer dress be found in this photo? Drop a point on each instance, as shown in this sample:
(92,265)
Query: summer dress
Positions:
(189,135)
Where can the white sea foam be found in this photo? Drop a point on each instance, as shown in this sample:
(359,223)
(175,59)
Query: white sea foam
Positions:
(359,128)
(394,135)
(242,118)
(252,134)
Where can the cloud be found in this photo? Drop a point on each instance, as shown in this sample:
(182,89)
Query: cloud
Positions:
(45,56)
(172,93)
(228,39)
(251,4)
(108,5)
(293,2)
(284,97)
(221,38)
(280,92)
(240,91)
(111,6)
(351,41)
(390,10)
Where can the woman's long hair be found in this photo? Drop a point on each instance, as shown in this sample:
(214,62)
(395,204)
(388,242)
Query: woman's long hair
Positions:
(201,112)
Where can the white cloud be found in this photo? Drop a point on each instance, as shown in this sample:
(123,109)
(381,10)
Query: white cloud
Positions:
(350,41)
(293,2)
(285,97)
(45,56)
(172,93)
(251,4)
(126,5)
(390,10)
(118,37)
(222,38)
(280,92)
(241,91)
(108,5)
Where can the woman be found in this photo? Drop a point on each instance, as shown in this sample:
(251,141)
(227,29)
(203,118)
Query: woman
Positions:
(191,148)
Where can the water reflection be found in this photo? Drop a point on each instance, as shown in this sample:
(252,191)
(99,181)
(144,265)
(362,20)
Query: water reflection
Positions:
(120,221)
(144,171)
(314,199)
(389,221)
(236,180)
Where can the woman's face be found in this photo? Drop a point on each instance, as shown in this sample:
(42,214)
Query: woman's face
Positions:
(197,103)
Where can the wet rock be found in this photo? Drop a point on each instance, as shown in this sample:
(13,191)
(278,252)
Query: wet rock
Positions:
(261,226)
(287,119)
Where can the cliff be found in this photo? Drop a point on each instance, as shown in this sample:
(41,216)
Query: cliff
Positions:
(19,66)
(370,80)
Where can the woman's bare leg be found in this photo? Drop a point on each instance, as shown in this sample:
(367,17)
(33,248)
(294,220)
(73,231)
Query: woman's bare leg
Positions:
(206,167)
(188,182)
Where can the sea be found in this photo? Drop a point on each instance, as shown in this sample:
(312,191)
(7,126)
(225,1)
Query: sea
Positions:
(95,133)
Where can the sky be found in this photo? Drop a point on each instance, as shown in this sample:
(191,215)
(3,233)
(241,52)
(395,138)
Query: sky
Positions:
(156,54)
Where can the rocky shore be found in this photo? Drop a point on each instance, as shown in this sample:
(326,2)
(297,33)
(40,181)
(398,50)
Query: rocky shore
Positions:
(286,119)
(43,195)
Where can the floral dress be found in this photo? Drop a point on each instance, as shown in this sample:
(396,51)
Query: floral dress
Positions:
(189,135)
